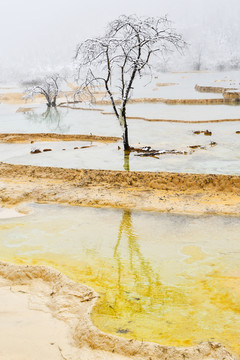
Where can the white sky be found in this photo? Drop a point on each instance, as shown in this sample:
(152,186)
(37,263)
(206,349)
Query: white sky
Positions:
(42,32)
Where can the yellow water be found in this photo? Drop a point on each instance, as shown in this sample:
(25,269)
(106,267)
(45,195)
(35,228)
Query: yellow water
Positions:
(170,279)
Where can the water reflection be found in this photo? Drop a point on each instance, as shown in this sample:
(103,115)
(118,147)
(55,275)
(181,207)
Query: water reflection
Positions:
(153,271)
(126,164)
(52,118)
(140,269)
(134,290)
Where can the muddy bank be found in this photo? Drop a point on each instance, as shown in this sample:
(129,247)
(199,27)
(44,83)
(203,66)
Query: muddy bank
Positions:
(122,179)
(212,89)
(195,101)
(232,95)
(170,101)
(27,138)
(70,105)
(156,100)
(166,84)
(165,192)
(16,98)
(218,101)
(177,121)
(53,293)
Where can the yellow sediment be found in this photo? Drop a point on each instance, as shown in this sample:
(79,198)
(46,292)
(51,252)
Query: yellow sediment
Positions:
(26,138)
(212,89)
(170,101)
(233,95)
(70,302)
(24,109)
(171,192)
(178,121)
(17,98)
(166,84)
(69,106)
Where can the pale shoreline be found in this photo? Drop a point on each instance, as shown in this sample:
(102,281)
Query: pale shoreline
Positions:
(6,213)
(30,328)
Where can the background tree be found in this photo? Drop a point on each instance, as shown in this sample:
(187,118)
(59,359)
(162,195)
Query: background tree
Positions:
(48,87)
(123,53)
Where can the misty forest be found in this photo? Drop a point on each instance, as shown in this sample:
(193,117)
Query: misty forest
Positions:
(120,180)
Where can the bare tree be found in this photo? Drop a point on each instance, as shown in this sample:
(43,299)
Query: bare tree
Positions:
(123,53)
(48,87)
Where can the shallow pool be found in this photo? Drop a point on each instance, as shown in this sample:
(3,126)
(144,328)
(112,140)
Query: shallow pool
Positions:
(166,278)
(221,158)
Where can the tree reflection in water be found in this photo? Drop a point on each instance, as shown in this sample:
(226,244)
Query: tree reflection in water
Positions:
(134,290)
(52,118)
(126,165)
(140,268)
(142,295)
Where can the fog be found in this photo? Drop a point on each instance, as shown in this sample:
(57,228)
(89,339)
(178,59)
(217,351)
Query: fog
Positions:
(38,36)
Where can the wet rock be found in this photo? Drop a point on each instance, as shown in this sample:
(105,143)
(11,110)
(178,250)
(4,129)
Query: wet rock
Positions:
(86,146)
(196,147)
(36,151)
(205,132)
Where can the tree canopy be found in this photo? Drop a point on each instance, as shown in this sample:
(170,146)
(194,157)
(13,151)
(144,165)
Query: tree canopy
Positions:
(125,51)
(48,87)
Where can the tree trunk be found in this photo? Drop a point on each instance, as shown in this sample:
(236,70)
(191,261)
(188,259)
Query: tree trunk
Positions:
(54,101)
(49,103)
(123,123)
(125,138)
